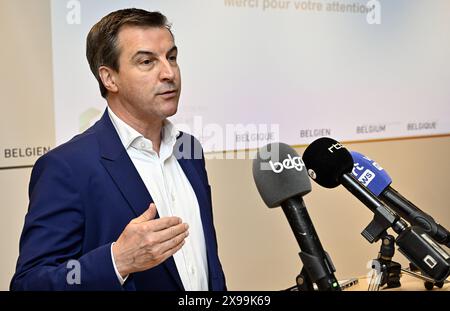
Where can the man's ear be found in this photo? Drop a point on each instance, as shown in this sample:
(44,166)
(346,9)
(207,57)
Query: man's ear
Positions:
(108,77)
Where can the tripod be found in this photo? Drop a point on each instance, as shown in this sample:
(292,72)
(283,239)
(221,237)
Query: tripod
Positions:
(304,283)
(385,271)
(388,272)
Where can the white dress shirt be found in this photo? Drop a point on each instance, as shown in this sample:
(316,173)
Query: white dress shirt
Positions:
(172,194)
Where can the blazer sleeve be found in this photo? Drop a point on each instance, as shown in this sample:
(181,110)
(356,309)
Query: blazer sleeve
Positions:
(50,251)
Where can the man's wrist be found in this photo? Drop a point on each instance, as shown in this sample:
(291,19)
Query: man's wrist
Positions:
(122,276)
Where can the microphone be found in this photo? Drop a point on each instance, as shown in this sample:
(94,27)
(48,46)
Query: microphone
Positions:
(330,164)
(281,179)
(378,181)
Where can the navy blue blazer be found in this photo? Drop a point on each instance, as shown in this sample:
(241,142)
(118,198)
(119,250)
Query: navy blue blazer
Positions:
(82,195)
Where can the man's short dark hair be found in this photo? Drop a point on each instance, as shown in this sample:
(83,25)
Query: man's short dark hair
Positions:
(101,42)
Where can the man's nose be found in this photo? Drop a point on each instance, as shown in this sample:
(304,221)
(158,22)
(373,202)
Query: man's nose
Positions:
(167,71)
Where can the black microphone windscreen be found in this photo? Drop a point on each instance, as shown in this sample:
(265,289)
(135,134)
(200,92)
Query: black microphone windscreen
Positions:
(327,160)
(279,174)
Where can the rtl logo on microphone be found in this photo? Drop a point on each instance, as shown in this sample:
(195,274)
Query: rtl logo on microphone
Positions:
(335,147)
(289,163)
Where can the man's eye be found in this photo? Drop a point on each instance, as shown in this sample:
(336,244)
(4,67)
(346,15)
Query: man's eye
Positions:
(173,58)
(146,62)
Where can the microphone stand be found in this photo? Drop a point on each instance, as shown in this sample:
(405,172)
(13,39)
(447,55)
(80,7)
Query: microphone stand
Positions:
(412,242)
(317,267)
(385,271)
(388,272)
(304,282)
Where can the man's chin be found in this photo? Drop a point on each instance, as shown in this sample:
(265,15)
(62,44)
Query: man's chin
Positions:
(170,111)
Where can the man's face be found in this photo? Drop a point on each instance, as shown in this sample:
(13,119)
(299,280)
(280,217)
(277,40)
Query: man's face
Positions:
(148,81)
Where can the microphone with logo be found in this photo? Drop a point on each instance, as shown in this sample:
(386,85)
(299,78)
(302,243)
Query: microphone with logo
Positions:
(378,181)
(281,179)
(330,164)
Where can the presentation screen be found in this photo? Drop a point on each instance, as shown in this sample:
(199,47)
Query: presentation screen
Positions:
(254,71)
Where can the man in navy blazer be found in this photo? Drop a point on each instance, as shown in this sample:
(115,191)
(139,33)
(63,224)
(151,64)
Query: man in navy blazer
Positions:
(92,223)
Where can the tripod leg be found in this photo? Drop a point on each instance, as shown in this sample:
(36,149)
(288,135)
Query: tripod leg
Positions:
(376,276)
(393,274)
(430,285)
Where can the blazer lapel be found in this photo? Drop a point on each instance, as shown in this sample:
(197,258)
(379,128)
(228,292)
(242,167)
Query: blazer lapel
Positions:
(116,161)
(120,167)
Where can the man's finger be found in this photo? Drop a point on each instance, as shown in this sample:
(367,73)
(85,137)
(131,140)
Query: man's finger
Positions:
(173,242)
(163,223)
(171,232)
(149,214)
(170,251)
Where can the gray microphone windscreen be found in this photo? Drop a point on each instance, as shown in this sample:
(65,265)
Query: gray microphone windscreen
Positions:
(279,174)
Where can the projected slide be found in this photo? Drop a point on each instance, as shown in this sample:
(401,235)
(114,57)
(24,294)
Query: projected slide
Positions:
(274,70)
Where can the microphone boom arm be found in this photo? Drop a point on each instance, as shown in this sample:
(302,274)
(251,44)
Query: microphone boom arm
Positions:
(384,218)
(416,216)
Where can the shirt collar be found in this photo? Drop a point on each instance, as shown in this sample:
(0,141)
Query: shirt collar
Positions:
(128,135)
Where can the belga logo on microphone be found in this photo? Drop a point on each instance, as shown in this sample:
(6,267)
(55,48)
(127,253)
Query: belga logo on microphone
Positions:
(288,164)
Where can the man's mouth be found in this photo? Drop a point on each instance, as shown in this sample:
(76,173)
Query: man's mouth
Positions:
(168,94)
